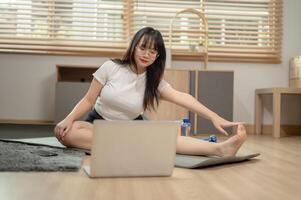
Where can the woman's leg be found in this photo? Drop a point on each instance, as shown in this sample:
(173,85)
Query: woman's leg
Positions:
(79,136)
(192,146)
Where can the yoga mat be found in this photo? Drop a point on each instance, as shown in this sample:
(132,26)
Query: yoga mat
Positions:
(188,161)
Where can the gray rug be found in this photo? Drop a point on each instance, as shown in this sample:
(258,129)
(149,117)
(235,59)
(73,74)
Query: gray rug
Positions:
(22,156)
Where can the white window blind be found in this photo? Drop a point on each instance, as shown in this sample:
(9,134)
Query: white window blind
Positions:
(62,26)
(239,30)
(245,30)
(158,14)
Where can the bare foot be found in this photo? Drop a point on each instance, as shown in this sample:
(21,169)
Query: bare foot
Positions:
(231,146)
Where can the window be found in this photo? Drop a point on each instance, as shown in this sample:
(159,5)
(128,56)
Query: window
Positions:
(239,31)
(62,26)
(248,30)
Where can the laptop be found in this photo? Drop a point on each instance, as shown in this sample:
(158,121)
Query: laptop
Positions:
(133,148)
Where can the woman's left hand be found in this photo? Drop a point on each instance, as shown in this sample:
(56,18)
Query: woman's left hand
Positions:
(220,123)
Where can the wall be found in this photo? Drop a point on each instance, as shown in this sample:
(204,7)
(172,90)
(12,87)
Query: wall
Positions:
(27,82)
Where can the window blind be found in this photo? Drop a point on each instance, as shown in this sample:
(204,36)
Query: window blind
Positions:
(245,30)
(238,30)
(62,26)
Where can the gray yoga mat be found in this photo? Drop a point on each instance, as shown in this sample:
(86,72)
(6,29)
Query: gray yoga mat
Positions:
(188,161)
(24,156)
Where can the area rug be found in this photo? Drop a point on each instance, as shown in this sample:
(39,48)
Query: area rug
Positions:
(22,156)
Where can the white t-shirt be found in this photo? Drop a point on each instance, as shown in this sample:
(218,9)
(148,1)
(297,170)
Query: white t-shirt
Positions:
(121,97)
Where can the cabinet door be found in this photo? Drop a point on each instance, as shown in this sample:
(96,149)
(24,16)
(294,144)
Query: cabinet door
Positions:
(215,91)
(67,95)
(72,84)
(179,79)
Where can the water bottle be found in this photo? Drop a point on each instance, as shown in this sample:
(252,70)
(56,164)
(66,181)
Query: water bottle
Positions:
(211,138)
(185,127)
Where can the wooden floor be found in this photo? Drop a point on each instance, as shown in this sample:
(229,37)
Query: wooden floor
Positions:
(276,174)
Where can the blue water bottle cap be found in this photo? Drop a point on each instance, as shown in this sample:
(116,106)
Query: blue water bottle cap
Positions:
(213,138)
(186,120)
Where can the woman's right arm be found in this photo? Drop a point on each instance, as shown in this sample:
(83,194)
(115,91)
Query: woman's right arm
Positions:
(83,106)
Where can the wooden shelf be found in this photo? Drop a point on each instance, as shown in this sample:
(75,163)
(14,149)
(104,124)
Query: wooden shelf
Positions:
(75,73)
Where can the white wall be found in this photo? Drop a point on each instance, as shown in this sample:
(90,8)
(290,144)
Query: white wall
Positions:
(27,82)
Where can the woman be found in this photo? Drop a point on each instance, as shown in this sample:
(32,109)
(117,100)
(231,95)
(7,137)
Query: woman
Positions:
(123,88)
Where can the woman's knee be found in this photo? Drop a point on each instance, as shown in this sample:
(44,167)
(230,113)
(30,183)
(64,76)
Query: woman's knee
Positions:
(67,140)
(72,135)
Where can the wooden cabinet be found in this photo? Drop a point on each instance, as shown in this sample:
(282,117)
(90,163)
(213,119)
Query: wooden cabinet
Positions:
(212,88)
(72,84)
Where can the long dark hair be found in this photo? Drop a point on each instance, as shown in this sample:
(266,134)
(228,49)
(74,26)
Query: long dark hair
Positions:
(154,72)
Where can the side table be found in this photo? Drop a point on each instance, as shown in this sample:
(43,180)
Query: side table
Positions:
(276,96)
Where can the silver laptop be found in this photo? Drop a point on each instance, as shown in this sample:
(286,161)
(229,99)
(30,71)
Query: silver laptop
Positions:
(133,148)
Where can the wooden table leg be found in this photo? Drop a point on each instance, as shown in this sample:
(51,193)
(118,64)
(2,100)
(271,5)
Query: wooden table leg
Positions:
(258,113)
(276,114)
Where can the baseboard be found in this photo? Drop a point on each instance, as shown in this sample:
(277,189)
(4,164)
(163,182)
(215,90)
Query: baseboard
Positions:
(26,122)
(267,129)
